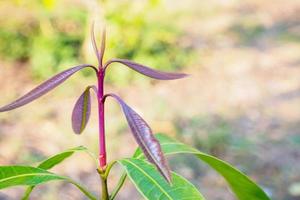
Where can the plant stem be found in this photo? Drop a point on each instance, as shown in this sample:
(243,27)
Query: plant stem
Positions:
(105,195)
(102,147)
(103,176)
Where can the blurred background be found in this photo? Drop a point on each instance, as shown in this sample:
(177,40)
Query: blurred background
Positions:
(241,102)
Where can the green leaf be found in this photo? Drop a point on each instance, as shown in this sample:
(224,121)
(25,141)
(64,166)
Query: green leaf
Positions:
(58,158)
(53,161)
(243,187)
(31,176)
(24,175)
(153,186)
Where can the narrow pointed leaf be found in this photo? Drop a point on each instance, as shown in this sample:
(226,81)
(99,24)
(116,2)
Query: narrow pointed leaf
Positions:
(147,71)
(81,112)
(60,157)
(103,44)
(152,186)
(53,161)
(43,88)
(243,187)
(31,176)
(145,138)
(94,43)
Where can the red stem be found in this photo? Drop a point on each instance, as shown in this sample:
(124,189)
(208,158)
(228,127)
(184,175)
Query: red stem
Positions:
(102,147)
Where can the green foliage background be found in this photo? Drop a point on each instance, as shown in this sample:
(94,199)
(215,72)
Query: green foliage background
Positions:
(50,37)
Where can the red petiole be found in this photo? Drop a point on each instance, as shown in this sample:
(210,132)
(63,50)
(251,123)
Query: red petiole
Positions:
(102,147)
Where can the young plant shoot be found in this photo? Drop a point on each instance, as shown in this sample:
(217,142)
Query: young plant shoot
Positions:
(147,169)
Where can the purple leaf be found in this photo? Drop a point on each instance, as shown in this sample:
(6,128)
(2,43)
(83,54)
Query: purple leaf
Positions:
(94,43)
(148,71)
(145,138)
(103,43)
(81,112)
(102,47)
(44,88)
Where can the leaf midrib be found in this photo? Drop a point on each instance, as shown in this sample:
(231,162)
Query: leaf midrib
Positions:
(85,102)
(155,182)
(31,174)
(144,143)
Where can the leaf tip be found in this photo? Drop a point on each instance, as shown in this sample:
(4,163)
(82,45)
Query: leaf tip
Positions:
(169,178)
(94,43)
(184,75)
(103,44)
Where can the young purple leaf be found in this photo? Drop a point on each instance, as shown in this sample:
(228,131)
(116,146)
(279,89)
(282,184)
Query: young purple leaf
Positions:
(94,43)
(102,49)
(156,74)
(82,110)
(44,88)
(145,138)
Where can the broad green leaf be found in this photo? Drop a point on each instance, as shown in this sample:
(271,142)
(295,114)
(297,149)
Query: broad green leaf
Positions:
(242,186)
(24,175)
(153,186)
(30,176)
(53,161)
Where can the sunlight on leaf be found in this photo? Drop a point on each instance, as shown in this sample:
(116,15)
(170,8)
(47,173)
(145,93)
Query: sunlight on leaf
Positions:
(152,186)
